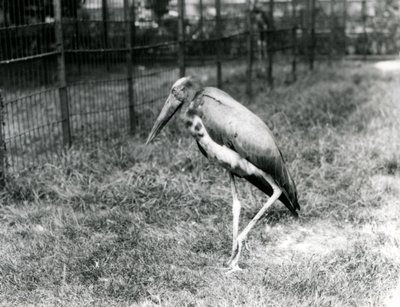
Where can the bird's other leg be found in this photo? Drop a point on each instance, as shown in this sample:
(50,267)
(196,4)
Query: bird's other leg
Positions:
(235,215)
(242,236)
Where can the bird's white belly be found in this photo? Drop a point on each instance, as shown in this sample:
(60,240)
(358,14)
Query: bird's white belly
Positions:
(225,156)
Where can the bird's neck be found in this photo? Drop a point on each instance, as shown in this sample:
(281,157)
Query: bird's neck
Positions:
(183,111)
(188,109)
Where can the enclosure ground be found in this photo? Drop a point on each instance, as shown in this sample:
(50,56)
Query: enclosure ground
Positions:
(134,225)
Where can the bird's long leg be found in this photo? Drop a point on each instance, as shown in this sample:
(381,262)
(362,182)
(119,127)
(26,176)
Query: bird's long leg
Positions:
(235,215)
(242,236)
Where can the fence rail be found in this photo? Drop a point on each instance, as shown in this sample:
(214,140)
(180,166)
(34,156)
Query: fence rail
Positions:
(78,75)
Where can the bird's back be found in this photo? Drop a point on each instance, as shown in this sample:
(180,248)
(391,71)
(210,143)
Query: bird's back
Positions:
(231,124)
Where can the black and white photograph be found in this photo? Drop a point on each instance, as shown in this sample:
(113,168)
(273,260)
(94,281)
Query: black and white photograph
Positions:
(200,153)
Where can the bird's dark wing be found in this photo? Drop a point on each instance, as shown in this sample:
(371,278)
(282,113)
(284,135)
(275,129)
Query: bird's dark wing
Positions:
(230,123)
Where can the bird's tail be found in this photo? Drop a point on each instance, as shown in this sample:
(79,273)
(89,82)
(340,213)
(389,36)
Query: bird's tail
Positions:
(294,198)
(288,198)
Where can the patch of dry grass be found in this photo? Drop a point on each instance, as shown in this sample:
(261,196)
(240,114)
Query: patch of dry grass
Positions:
(127,224)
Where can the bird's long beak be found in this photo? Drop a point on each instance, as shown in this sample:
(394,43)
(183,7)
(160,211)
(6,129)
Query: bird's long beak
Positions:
(170,107)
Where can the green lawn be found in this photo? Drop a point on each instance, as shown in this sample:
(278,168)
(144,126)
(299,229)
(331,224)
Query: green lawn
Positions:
(134,225)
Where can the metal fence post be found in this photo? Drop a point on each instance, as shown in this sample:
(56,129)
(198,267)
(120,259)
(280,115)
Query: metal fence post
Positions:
(62,82)
(249,50)
(312,37)
(129,59)
(294,42)
(364,21)
(201,25)
(104,14)
(2,143)
(332,31)
(181,38)
(269,44)
(218,32)
(77,42)
(305,29)
(344,26)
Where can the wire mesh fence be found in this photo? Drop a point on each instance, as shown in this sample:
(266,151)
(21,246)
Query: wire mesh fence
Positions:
(79,72)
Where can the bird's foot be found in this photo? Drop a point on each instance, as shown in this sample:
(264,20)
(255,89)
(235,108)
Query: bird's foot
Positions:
(246,245)
(236,250)
(233,269)
(229,262)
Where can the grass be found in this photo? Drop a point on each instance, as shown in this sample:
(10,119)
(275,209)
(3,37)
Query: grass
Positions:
(129,224)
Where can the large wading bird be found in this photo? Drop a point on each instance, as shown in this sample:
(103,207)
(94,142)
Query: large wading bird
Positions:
(229,133)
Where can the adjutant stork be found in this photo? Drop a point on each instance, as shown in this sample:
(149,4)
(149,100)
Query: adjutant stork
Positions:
(229,133)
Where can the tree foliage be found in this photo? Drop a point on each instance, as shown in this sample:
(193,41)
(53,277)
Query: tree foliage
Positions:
(20,12)
(159,7)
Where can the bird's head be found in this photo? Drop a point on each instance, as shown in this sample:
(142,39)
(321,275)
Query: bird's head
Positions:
(183,91)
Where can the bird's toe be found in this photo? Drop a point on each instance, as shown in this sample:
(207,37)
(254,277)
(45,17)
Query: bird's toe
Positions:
(235,251)
(247,245)
(233,269)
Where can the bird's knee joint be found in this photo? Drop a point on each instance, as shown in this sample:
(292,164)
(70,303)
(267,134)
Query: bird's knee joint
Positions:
(240,239)
(277,191)
(236,208)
